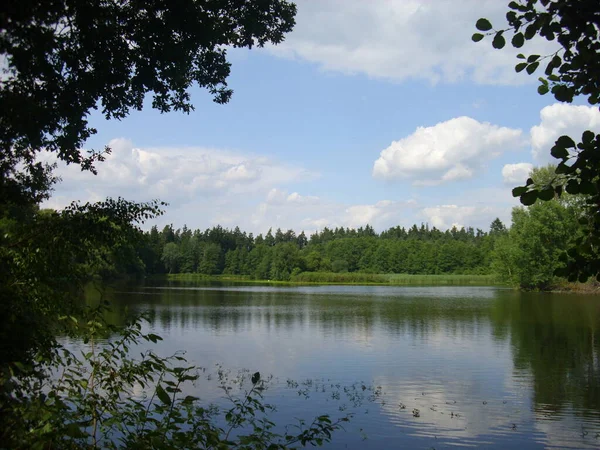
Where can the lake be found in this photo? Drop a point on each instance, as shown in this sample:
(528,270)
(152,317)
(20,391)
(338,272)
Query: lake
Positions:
(484,366)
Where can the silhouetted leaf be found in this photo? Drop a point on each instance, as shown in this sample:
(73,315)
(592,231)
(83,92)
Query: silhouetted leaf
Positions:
(483,25)
(499,41)
(529,198)
(518,40)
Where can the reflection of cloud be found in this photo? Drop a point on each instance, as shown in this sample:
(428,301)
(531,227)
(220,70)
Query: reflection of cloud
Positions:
(426,347)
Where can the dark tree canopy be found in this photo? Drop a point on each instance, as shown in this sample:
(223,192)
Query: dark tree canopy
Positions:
(573,71)
(62,59)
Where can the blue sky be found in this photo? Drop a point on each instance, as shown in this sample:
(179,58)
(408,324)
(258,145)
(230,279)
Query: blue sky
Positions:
(381,112)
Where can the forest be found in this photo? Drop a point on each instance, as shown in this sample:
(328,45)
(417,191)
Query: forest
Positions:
(525,254)
(278,255)
(528,253)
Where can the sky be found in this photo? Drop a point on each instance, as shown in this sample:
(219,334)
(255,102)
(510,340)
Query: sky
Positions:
(379,112)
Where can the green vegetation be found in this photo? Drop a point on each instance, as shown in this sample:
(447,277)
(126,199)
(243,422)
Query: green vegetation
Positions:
(356,255)
(572,71)
(531,253)
(350,278)
(62,60)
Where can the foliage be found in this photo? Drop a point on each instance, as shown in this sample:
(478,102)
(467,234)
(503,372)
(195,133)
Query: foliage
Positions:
(572,71)
(393,279)
(417,250)
(66,58)
(530,253)
(105,398)
(61,60)
(47,257)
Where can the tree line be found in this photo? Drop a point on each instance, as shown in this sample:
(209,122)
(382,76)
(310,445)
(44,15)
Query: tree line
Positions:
(531,253)
(281,254)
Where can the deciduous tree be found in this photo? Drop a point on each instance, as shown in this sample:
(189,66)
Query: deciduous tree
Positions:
(572,71)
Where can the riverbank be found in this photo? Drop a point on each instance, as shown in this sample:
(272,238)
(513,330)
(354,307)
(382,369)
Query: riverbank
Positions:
(309,278)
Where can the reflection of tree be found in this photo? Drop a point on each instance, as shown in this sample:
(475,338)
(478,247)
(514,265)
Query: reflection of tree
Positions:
(555,337)
(343,315)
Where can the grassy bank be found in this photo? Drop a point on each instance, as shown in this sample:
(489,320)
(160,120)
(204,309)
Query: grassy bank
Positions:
(350,278)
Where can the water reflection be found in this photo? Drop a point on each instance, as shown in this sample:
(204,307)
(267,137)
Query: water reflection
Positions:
(482,365)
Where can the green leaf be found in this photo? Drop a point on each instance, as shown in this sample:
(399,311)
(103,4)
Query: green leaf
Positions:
(587,187)
(499,41)
(529,198)
(255,378)
(477,37)
(546,194)
(519,67)
(72,430)
(530,31)
(572,187)
(543,89)
(565,141)
(533,58)
(483,25)
(532,67)
(518,40)
(518,191)
(562,93)
(162,395)
(587,136)
(559,152)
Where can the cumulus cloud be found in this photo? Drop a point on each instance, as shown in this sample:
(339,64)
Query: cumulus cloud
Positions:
(449,151)
(175,175)
(516,173)
(399,40)
(381,215)
(279,197)
(308,213)
(559,119)
(448,216)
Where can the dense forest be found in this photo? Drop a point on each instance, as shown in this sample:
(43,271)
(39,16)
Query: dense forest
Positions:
(278,255)
(529,253)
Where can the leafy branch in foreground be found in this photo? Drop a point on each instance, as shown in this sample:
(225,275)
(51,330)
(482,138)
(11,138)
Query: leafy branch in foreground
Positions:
(102,397)
(572,70)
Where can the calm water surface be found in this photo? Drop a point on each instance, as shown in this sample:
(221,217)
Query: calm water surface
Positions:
(485,367)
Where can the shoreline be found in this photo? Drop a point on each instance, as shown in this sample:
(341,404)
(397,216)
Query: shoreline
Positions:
(350,279)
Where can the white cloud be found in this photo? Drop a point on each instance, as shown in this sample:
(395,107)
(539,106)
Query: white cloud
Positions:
(276,196)
(408,39)
(381,215)
(448,151)
(309,213)
(516,173)
(279,197)
(175,175)
(559,119)
(296,198)
(448,216)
